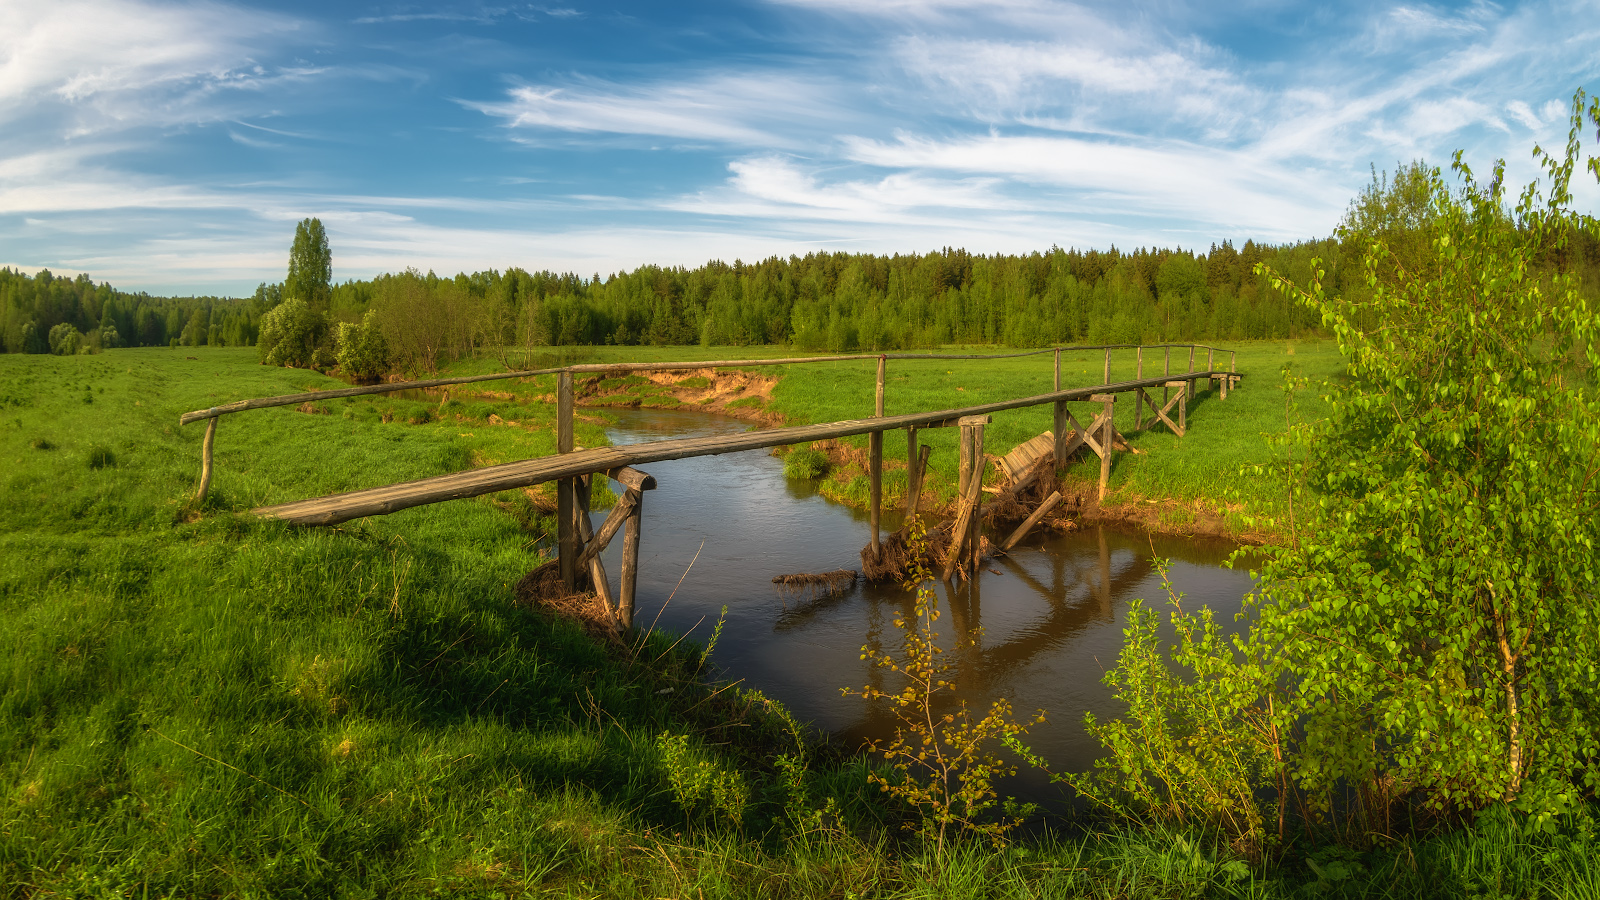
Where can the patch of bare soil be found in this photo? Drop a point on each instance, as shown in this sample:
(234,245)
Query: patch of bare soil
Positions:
(739,393)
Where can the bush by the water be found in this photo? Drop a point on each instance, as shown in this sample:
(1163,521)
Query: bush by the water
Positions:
(805,463)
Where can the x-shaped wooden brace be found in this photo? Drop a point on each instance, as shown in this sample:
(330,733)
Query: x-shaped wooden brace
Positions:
(1180,400)
(1081,436)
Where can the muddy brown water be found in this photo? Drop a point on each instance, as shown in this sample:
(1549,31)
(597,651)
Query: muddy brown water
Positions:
(1052,612)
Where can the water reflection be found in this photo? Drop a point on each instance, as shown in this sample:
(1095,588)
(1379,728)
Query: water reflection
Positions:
(1051,613)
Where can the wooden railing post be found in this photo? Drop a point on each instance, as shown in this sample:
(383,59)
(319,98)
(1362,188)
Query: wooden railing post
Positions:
(566,489)
(205,459)
(1166,372)
(1138,375)
(1191,371)
(875,460)
(1107,379)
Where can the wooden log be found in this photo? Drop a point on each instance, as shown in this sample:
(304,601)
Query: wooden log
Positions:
(596,545)
(205,460)
(632,478)
(1032,520)
(313,396)
(630,562)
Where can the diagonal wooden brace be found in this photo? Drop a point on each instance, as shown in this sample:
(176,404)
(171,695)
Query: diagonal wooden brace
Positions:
(613,524)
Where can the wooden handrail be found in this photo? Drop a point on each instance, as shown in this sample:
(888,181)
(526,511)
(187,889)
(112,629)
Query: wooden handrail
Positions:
(507,476)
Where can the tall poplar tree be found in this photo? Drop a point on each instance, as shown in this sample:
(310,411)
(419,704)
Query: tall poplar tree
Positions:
(310,266)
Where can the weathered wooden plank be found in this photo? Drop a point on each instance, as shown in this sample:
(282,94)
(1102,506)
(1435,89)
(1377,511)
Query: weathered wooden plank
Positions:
(1020,460)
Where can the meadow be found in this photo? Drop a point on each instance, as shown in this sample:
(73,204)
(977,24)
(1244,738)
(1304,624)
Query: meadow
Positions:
(199,703)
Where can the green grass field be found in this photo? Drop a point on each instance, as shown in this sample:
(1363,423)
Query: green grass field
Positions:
(194,703)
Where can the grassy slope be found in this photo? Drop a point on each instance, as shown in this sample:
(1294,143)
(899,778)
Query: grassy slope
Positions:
(229,707)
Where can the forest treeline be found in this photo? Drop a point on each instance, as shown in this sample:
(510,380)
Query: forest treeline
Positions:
(836,302)
(44,313)
(821,301)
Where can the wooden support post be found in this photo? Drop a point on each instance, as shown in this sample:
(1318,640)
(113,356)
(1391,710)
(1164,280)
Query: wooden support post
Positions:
(875,461)
(1106,440)
(875,485)
(567,538)
(917,470)
(1027,524)
(1108,367)
(1191,371)
(1060,420)
(974,534)
(628,589)
(970,493)
(205,458)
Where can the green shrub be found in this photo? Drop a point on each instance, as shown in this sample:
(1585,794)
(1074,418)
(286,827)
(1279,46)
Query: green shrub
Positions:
(804,462)
(289,333)
(362,351)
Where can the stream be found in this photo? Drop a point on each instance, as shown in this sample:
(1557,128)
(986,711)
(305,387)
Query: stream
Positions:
(1051,612)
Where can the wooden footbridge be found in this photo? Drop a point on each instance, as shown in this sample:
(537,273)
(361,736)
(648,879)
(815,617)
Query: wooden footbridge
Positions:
(572,468)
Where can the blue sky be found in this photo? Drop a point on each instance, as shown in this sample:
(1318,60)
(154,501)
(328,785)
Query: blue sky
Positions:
(171,147)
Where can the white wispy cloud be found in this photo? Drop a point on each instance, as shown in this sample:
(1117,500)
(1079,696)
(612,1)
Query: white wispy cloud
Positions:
(108,63)
(765,108)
